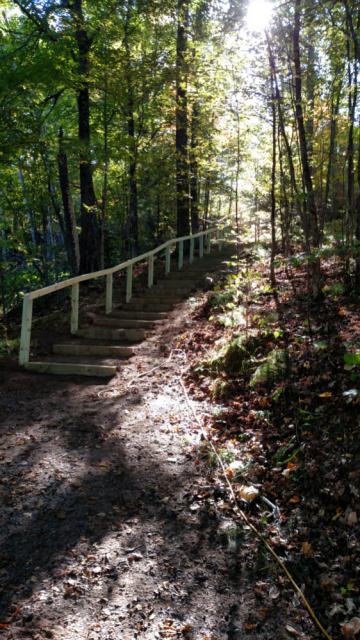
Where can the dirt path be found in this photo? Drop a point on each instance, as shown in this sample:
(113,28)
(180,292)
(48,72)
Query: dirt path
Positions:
(105,533)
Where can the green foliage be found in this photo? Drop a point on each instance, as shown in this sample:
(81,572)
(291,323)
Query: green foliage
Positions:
(274,368)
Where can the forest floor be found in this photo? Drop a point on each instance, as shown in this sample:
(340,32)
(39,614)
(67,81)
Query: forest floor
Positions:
(116,522)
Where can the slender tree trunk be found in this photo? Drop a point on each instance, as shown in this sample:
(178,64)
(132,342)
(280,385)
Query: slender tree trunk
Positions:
(71,235)
(194,169)
(182,167)
(352,101)
(273,179)
(28,207)
(329,185)
(237,174)
(89,217)
(104,193)
(207,196)
(357,228)
(314,266)
(133,224)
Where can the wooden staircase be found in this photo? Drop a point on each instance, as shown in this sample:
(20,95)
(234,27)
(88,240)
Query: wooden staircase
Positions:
(106,340)
(99,348)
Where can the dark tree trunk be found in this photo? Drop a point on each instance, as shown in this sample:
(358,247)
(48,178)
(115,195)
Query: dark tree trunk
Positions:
(311,209)
(329,186)
(71,235)
(89,218)
(133,232)
(182,165)
(194,169)
(273,179)
(104,193)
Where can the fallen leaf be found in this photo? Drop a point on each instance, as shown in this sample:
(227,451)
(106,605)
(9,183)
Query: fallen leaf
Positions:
(351,629)
(295,500)
(293,632)
(306,549)
(351,518)
(248,493)
(326,394)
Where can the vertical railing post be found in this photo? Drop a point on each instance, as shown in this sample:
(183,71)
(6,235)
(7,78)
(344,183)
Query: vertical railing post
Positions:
(201,246)
(181,254)
(150,271)
(74,324)
(191,253)
(167,259)
(109,293)
(208,242)
(129,278)
(25,330)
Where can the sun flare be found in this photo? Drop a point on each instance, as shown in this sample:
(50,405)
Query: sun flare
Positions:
(258,15)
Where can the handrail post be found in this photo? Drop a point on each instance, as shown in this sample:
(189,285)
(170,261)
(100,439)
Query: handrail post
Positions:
(191,253)
(208,242)
(129,276)
(167,260)
(181,255)
(109,293)
(201,246)
(25,330)
(150,271)
(74,325)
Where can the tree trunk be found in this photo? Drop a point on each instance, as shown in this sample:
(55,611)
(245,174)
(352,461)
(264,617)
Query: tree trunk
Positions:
(133,237)
(273,181)
(311,210)
(182,167)
(89,218)
(71,235)
(329,186)
(194,169)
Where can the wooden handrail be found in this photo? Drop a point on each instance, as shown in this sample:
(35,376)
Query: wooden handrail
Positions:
(128,265)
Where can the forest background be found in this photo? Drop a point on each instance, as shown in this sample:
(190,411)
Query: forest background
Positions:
(124,123)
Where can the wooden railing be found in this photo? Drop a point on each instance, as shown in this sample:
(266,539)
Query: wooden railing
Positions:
(204,240)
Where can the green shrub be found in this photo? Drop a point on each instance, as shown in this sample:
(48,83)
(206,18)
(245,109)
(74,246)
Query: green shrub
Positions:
(274,368)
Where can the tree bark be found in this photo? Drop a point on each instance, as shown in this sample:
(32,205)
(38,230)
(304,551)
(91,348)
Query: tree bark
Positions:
(182,167)
(311,209)
(71,235)
(194,169)
(89,217)
(133,233)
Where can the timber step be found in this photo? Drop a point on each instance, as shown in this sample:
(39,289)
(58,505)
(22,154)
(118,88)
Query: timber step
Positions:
(159,298)
(120,323)
(148,305)
(138,315)
(93,350)
(115,335)
(73,369)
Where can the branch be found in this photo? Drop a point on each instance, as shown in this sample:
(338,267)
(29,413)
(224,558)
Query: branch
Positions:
(41,24)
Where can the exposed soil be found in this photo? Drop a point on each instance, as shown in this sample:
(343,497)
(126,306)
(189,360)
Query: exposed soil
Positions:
(111,527)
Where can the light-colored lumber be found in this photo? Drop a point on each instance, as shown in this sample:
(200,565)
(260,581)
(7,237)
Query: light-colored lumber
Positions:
(93,350)
(70,368)
(104,333)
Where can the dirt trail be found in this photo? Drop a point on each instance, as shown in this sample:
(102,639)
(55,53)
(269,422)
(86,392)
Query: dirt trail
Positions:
(104,534)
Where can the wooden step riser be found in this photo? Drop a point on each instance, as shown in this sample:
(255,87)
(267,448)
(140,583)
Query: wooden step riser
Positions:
(138,315)
(109,321)
(148,306)
(92,350)
(72,369)
(97,333)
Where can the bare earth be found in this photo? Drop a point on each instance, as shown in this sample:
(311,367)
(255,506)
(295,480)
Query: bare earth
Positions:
(104,530)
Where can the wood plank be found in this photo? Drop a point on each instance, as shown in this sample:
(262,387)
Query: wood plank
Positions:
(101,333)
(93,350)
(120,323)
(139,315)
(67,369)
